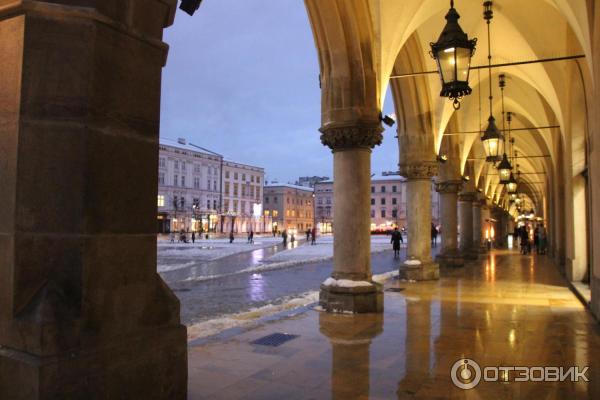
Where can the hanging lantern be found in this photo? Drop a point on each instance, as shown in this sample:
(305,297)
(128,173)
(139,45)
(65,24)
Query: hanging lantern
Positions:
(493,141)
(504,170)
(452,52)
(511,186)
(512,197)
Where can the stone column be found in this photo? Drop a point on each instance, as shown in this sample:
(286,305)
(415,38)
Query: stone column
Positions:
(350,288)
(419,264)
(465,212)
(449,256)
(350,352)
(478,245)
(485,216)
(83,312)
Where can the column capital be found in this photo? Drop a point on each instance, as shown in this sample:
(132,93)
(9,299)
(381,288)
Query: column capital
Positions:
(423,170)
(467,197)
(449,186)
(360,135)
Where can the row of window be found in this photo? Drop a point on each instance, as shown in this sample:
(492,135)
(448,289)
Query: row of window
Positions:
(182,165)
(394,201)
(289,213)
(246,189)
(383,214)
(236,176)
(178,203)
(383,188)
(289,200)
(244,207)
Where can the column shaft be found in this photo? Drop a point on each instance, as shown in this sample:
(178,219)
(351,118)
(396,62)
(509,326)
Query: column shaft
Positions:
(449,256)
(352,219)
(465,212)
(351,147)
(477,224)
(419,264)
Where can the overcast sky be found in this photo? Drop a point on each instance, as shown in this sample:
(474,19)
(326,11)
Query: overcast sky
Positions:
(242,80)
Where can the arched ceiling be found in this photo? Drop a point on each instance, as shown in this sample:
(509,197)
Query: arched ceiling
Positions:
(375,33)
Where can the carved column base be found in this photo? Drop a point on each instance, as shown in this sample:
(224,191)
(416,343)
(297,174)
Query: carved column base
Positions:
(452,259)
(410,270)
(355,300)
(158,359)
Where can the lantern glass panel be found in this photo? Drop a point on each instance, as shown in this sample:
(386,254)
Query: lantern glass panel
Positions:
(512,187)
(491,147)
(504,174)
(446,63)
(463,62)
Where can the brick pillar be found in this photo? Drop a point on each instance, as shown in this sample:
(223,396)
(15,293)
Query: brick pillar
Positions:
(83,313)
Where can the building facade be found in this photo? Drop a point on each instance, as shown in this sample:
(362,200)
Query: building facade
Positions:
(189,187)
(242,198)
(388,204)
(198,190)
(290,207)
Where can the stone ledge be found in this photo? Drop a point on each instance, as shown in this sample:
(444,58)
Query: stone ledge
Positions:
(151,365)
(423,272)
(354,300)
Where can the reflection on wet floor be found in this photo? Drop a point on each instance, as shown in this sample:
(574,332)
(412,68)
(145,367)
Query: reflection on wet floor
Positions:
(506,310)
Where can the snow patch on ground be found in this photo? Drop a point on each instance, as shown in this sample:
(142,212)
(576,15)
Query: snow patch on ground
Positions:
(248,318)
(380,278)
(204,251)
(346,283)
(412,262)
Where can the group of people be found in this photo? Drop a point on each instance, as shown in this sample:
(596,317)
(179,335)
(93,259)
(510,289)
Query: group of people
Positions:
(284,236)
(529,240)
(311,234)
(183,237)
(250,237)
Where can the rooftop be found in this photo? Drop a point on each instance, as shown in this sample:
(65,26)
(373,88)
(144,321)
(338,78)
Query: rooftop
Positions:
(289,185)
(183,144)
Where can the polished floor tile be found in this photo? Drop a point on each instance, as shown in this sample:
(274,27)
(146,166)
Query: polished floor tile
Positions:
(504,310)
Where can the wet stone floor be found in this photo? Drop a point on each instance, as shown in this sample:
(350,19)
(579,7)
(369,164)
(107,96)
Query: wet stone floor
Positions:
(504,310)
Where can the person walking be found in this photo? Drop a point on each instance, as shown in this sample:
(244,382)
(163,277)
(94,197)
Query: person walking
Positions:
(284,237)
(525,240)
(193,237)
(434,234)
(396,239)
(307,235)
(231,237)
(314,236)
(251,236)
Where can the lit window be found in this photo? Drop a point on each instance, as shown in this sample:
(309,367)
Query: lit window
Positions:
(275,213)
(161,200)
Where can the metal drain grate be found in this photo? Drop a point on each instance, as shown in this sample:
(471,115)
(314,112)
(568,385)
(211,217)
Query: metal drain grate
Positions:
(275,339)
(394,289)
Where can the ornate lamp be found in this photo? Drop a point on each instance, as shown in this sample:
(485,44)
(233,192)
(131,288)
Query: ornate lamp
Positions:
(511,185)
(504,170)
(492,139)
(452,53)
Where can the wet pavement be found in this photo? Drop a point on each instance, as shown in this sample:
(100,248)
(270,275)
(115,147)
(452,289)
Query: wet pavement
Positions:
(504,310)
(236,283)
